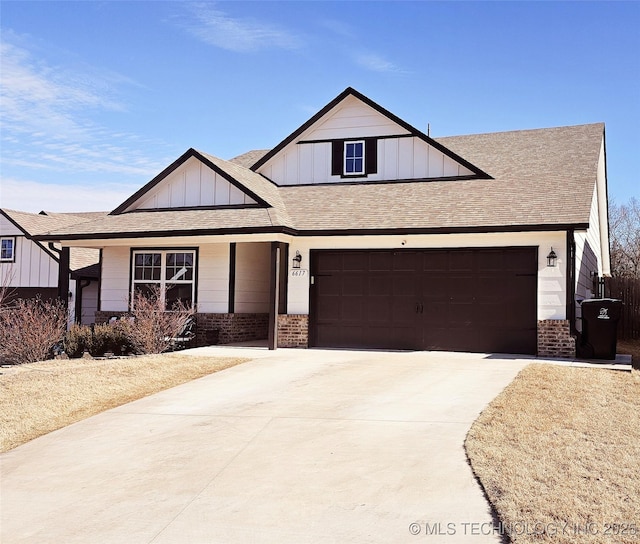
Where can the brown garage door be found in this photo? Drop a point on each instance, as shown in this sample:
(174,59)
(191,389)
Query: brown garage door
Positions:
(480,300)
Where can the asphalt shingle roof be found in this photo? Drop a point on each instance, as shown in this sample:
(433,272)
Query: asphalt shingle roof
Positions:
(540,177)
(35,224)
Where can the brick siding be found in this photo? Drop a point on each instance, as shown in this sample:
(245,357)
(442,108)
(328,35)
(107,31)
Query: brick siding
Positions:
(293,331)
(219,328)
(555,340)
(230,328)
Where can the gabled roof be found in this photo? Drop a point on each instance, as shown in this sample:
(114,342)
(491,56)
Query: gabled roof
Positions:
(541,179)
(349,91)
(35,224)
(250,185)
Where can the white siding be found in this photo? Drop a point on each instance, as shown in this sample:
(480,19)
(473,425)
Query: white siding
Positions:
(352,119)
(213,278)
(551,281)
(398,158)
(89,303)
(33,267)
(252,277)
(114,284)
(192,184)
(588,256)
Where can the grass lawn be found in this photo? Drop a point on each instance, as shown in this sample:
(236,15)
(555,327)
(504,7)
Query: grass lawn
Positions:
(38,398)
(558,454)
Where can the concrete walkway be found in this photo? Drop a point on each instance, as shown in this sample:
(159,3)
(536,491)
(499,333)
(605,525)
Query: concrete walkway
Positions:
(293,446)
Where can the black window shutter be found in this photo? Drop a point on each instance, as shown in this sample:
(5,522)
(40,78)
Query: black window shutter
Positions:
(337,150)
(371,155)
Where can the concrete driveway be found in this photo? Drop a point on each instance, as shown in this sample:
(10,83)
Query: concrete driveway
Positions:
(294,446)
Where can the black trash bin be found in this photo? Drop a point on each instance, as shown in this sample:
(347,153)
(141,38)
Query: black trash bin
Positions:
(600,318)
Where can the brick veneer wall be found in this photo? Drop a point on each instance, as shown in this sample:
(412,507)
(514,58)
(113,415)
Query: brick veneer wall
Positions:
(231,328)
(103,317)
(555,340)
(293,331)
(219,328)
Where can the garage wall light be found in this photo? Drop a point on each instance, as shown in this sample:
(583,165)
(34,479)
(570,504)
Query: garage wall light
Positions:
(552,258)
(297,260)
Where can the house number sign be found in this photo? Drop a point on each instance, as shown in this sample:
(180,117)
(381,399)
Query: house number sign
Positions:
(299,273)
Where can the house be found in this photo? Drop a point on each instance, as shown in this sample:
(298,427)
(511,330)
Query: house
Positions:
(30,267)
(359,230)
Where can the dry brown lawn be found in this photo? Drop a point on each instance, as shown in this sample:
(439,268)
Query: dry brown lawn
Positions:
(558,454)
(38,398)
(630,347)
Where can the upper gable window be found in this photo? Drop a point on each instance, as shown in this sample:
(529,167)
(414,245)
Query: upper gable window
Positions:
(353,158)
(7,249)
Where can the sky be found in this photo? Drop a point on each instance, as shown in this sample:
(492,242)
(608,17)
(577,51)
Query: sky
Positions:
(99,97)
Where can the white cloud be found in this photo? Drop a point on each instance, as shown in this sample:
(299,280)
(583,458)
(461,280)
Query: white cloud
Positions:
(33,196)
(46,121)
(216,28)
(375,63)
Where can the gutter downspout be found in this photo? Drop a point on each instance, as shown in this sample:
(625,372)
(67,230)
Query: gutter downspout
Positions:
(80,285)
(63,272)
(571,282)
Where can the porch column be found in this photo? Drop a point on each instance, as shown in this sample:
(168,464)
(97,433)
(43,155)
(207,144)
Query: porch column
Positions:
(274,294)
(277,288)
(63,276)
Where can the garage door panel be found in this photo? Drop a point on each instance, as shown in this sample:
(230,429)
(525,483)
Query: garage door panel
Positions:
(379,285)
(352,262)
(353,285)
(435,261)
(378,309)
(331,285)
(380,261)
(461,260)
(464,300)
(353,309)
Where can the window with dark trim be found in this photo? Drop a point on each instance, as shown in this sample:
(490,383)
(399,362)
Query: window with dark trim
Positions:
(7,249)
(172,271)
(354,158)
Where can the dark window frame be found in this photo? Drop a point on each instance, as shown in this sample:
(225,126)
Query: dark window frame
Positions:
(163,266)
(339,157)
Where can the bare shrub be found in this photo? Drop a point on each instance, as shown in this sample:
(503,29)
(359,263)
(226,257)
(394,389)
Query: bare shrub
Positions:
(5,289)
(29,330)
(153,329)
(77,340)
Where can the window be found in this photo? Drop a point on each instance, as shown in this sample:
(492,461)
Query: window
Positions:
(354,158)
(172,271)
(7,249)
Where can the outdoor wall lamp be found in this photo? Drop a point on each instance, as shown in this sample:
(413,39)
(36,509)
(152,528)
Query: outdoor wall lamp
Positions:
(297,260)
(552,258)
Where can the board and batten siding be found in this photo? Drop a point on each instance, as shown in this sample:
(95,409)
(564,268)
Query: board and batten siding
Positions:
(33,266)
(192,184)
(406,157)
(253,262)
(588,257)
(551,280)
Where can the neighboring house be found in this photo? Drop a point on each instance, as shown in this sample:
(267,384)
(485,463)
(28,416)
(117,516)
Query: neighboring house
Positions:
(358,230)
(30,268)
